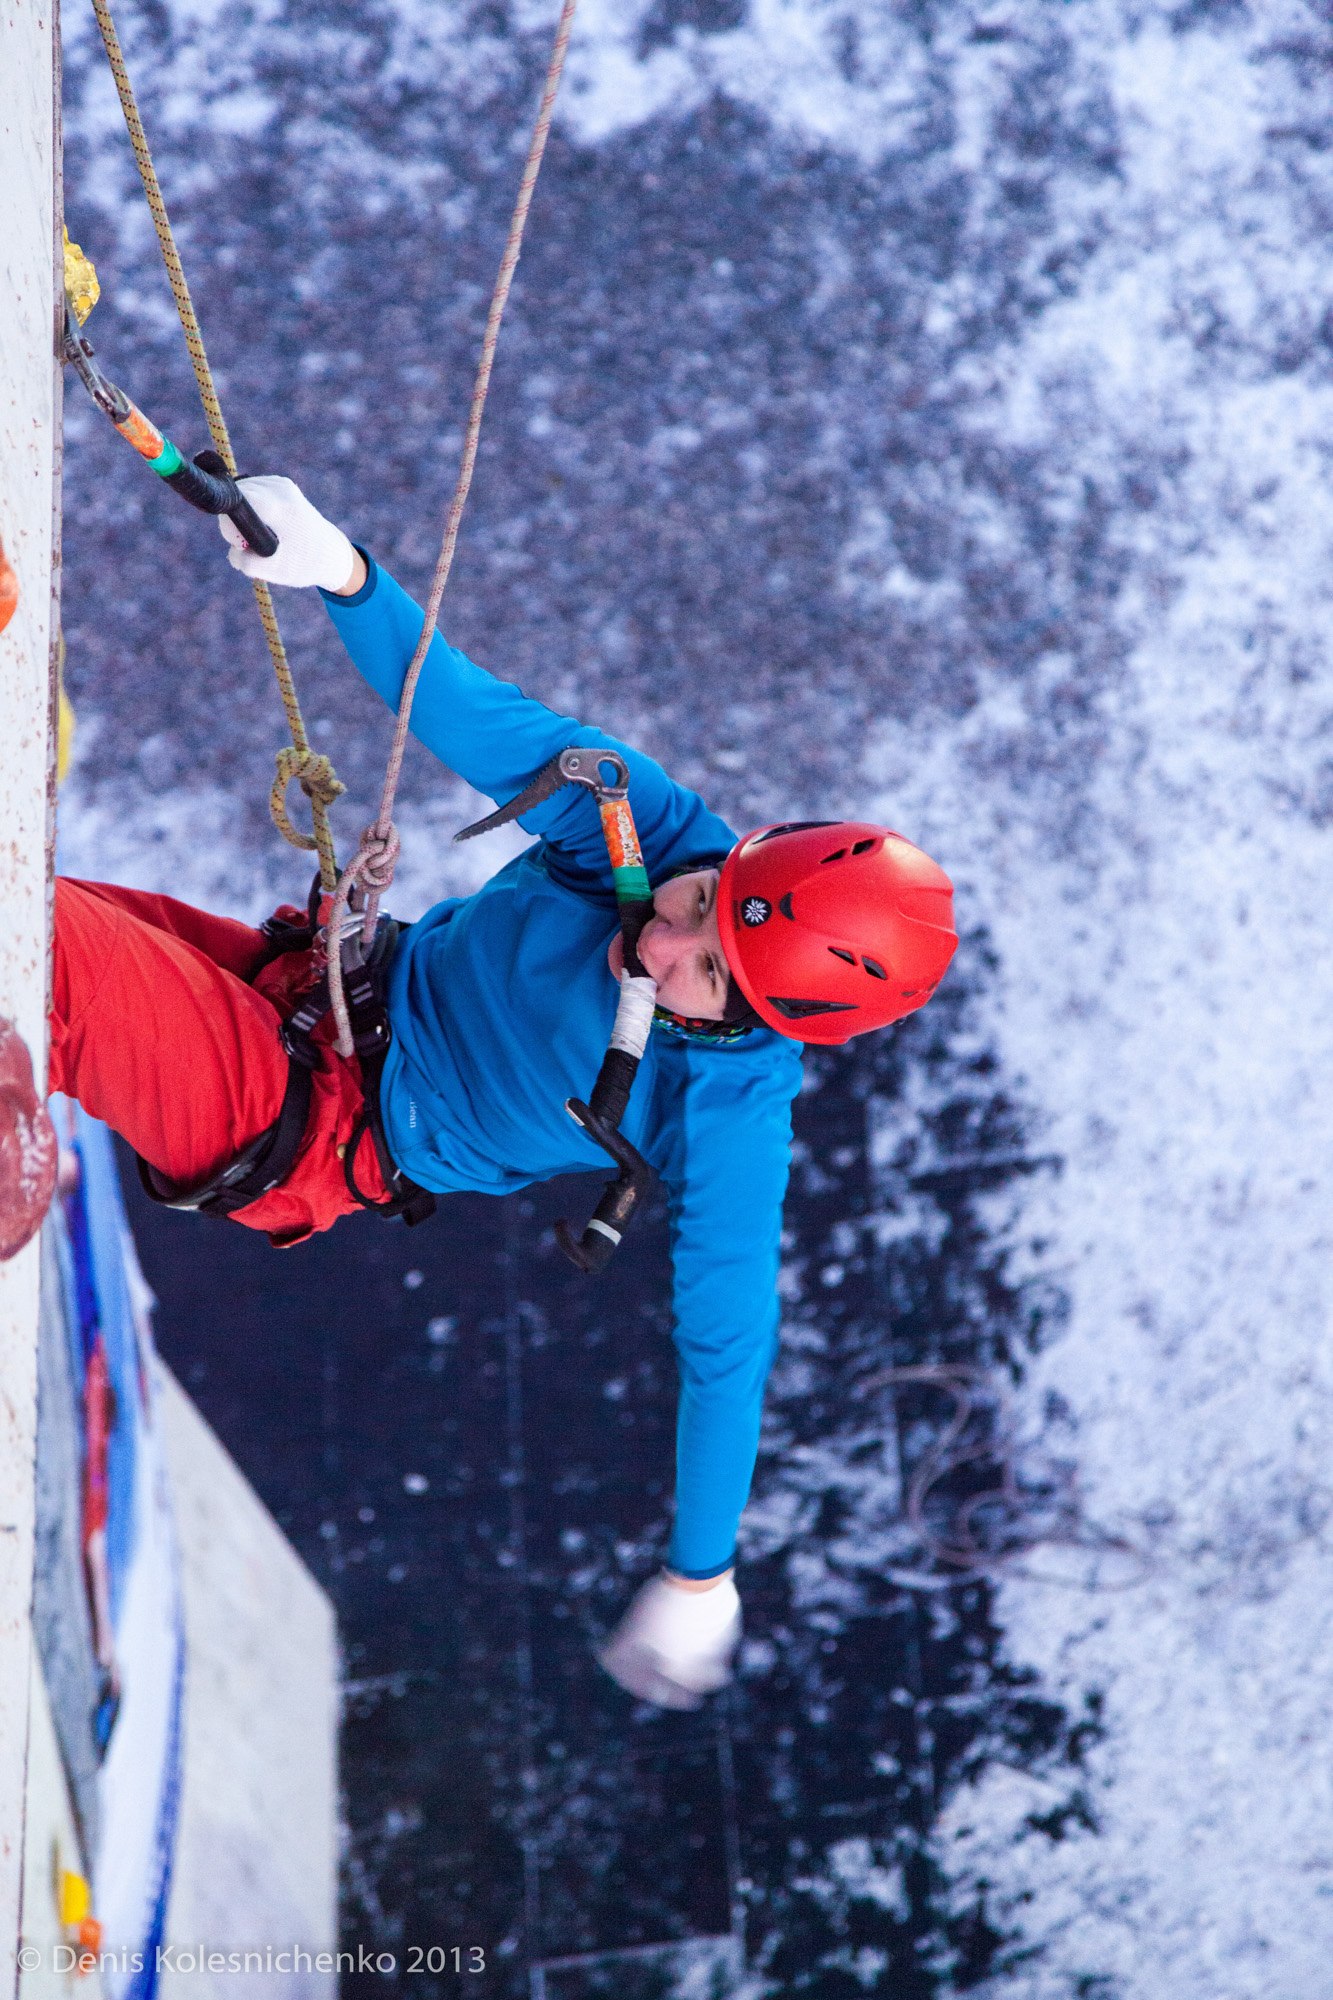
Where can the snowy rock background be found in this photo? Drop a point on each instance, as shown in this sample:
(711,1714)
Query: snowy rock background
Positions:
(920,410)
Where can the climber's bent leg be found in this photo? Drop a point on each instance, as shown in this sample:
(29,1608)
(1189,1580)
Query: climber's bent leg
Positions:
(169,1048)
(174,1051)
(235,946)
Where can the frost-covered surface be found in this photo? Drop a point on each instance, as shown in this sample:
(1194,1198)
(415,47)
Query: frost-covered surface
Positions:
(1148,877)
(919,407)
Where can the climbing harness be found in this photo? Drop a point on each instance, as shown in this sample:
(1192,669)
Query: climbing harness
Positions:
(296,759)
(600,1117)
(266,1162)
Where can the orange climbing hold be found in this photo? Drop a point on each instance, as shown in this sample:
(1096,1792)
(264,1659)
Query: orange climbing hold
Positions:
(9,589)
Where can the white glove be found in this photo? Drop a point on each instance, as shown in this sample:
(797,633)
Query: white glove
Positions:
(675,1646)
(310,549)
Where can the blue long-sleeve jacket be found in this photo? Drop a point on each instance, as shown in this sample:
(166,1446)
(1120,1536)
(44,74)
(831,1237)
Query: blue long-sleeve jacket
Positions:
(501,1005)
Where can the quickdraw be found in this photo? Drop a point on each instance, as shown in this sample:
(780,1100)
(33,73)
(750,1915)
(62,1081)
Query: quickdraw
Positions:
(601,1115)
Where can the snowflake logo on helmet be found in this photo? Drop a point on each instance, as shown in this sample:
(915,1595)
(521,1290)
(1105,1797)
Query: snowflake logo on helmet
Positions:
(756,910)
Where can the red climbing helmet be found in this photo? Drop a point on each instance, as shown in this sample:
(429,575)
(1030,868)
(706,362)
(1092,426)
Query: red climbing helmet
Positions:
(833,927)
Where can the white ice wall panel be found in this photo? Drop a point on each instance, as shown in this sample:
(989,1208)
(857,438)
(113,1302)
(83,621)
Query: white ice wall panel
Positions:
(256,1853)
(29,474)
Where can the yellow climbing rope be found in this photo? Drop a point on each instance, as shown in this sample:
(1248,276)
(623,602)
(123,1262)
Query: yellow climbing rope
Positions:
(311,768)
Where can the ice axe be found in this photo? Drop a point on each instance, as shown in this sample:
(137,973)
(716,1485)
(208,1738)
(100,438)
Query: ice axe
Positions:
(204,480)
(600,1116)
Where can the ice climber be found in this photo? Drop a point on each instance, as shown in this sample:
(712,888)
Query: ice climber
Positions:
(167,1022)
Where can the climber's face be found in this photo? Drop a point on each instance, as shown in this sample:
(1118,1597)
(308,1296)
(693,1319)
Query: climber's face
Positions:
(681,949)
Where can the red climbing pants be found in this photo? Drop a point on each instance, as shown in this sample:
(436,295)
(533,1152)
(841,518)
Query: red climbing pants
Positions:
(156,1031)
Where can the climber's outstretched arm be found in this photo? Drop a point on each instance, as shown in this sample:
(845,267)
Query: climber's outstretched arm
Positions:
(484,728)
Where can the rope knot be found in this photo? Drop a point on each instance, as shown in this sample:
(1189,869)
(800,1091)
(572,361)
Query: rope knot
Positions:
(318,780)
(377,857)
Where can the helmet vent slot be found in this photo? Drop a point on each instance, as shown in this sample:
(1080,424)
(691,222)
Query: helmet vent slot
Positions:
(790,826)
(838,854)
(784,904)
(847,957)
(874,968)
(863,846)
(801,1010)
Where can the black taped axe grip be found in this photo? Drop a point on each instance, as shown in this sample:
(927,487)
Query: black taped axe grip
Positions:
(615,1080)
(208,485)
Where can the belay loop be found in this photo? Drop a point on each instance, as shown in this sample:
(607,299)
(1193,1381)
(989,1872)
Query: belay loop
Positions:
(600,1116)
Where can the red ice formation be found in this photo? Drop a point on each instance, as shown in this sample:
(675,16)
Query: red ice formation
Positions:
(27,1146)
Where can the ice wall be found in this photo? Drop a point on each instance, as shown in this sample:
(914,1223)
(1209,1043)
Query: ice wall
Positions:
(29,487)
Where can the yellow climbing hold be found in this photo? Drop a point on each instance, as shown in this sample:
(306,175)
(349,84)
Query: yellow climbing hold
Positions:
(74,1898)
(64,716)
(81,286)
(64,736)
